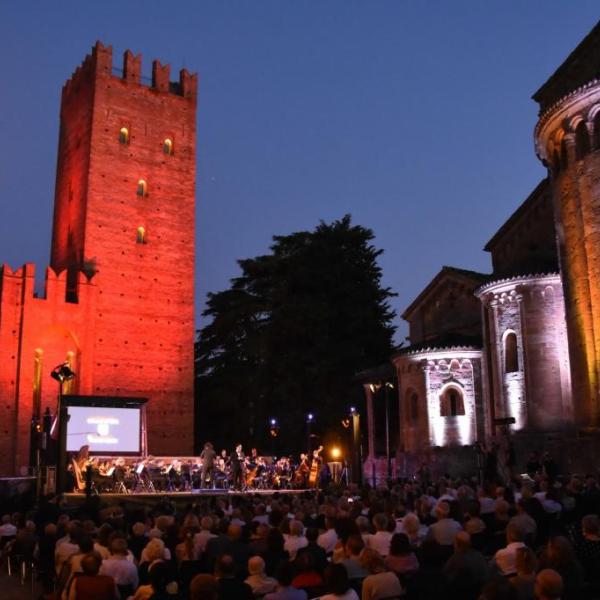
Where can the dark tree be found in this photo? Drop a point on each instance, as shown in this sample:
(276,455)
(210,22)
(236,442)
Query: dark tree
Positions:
(289,335)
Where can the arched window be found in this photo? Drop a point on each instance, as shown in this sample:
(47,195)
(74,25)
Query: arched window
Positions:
(511,353)
(142,188)
(564,157)
(451,403)
(582,141)
(141,235)
(124,135)
(597,131)
(413,406)
(555,162)
(168,146)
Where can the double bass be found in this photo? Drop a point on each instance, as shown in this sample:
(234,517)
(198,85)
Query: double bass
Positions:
(315,468)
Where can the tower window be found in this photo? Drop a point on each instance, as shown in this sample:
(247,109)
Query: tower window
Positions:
(124,135)
(141,235)
(511,353)
(168,146)
(414,406)
(451,403)
(142,188)
(582,141)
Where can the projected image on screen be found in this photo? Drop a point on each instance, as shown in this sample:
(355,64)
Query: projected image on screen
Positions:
(104,429)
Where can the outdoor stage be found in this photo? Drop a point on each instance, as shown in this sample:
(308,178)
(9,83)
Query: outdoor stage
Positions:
(180,497)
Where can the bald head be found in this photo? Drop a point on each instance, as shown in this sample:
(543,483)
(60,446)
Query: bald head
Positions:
(462,541)
(548,585)
(234,532)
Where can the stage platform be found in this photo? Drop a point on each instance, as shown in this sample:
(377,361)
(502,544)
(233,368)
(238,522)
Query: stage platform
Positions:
(180,497)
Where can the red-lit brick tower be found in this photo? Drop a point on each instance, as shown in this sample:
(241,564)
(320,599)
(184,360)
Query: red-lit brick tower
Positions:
(124,208)
(567,138)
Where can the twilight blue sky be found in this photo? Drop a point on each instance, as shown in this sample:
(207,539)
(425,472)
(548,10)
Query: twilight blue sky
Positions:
(415,117)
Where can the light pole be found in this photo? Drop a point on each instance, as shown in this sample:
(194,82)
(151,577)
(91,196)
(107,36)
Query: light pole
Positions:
(61,373)
(388,386)
(310,419)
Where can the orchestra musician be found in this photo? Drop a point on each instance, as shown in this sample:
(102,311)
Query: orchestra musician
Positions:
(208,457)
(237,461)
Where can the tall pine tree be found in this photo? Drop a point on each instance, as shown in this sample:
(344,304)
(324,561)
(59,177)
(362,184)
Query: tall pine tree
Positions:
(289,335)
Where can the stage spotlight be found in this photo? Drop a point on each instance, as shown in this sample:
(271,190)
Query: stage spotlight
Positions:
(310,417)
(335,453)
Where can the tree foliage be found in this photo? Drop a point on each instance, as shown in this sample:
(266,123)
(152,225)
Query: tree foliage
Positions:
(289,335)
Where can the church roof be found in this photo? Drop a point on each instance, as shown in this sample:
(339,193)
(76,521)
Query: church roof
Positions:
(446,341)
(579,68)
(540,189)
(474,278)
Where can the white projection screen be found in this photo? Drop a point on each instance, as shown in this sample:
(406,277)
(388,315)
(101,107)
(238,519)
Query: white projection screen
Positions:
(105,429)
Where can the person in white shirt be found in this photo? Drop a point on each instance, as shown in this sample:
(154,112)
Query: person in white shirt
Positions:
(202,537)
(155,550)
(66,547)
(381,539)
(119,567)
(328,539)
(295,539)
(505,559)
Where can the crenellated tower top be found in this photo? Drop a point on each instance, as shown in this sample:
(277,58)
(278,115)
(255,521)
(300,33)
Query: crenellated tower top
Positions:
(100,64)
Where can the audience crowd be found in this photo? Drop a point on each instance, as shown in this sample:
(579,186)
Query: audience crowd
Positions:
(535,538)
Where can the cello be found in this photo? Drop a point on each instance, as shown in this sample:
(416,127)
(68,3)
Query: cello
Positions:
(315,468)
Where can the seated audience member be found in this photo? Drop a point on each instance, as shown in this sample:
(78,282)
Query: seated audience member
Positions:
(295,539)
(381,539)
(353,548)
(412,527)
(559,556)
(380,583)
(318,554)
(307,577)
(205,534)
(89,585)
(230,588)
(587,549)
(548,585)
(275,554)
(186,549)
(67,546)
(338,584)
(444,530)
(328,539)
(524,580)
(204,587)
(122,570)
(138,540)
(258,580)
(524,522)
(401,558)
(505,559)
(466,570)
(285,590)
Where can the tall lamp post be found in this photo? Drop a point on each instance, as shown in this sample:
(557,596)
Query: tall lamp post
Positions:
(61,373)
(310,419)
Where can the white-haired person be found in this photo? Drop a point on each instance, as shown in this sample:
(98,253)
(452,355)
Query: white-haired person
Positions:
(257,579)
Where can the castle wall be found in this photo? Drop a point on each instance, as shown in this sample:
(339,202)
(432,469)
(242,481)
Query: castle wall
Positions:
(36,334)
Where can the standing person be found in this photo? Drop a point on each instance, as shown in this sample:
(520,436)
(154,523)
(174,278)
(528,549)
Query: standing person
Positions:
(207,456)
(237,467)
